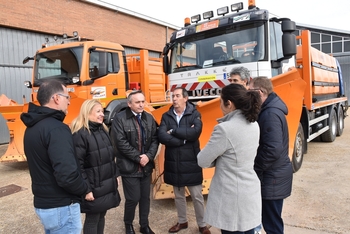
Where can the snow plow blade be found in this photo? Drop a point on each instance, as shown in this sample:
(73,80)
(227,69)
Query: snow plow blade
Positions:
(11,112)
(210,112)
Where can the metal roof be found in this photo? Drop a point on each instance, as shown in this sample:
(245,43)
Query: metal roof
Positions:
(130,12)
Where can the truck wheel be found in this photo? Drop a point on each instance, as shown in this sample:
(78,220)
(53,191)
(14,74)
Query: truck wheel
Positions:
(331,133)
(298,152)
(340,122)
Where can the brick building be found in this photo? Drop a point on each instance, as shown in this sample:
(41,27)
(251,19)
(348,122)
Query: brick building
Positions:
(24,25)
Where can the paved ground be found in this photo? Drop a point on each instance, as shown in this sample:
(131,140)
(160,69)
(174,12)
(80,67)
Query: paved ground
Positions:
(320,201)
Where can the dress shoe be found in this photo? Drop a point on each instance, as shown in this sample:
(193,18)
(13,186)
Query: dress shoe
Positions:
(146,230)
(129,229)
(204,230)
(177,227)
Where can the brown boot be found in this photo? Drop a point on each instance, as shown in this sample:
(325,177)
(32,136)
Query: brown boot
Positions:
(179,226)
(204,230)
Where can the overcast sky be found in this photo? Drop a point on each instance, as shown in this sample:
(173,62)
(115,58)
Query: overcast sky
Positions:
(333,14)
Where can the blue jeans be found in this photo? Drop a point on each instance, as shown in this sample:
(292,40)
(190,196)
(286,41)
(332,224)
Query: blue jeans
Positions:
(258,228)
(61,220)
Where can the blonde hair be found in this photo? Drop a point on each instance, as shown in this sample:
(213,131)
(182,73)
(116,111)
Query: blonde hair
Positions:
(82,120)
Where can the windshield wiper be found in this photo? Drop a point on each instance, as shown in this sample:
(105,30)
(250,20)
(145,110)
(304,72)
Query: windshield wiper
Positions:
(187,68)
(231,61)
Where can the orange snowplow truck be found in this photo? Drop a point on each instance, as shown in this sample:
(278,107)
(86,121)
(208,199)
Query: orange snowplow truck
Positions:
(91,70)
(200,56)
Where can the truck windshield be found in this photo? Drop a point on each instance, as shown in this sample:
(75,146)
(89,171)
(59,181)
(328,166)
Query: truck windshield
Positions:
(220,46)
(58,64)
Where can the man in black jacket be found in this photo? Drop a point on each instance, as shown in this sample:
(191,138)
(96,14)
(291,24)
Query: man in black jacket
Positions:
(57,184)
(179,131)
(272,163)
(134,133)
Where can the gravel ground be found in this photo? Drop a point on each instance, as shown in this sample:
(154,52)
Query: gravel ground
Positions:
(319,202)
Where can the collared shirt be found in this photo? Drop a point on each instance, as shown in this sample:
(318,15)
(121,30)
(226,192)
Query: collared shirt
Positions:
(178,117)
(136,113)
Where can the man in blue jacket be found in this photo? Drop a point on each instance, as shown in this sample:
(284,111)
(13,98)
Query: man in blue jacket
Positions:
(179,131)
(57,184)
(272,163)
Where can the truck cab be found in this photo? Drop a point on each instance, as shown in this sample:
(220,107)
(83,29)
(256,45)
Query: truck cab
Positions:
(203,53)
(200,56)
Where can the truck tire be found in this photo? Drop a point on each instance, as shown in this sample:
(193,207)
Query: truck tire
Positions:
(298,152)
(331,133)
(340,122)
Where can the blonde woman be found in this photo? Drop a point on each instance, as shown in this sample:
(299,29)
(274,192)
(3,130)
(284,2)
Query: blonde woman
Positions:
(96,157)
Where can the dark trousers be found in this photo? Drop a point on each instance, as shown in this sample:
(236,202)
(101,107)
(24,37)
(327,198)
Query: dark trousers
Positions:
(251,231)
(272,216)
(137,191)
(94,223)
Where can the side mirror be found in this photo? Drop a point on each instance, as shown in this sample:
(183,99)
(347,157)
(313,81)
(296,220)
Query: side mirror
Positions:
(289,43)
(28,84)
(166,64)
(26,59)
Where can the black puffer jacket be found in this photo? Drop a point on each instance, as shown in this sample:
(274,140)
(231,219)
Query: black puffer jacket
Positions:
(272,163)
(182,146)
(125,136)
(96,157)
(48,145)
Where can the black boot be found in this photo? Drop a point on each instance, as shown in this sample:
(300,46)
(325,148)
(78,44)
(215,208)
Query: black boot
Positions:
(146,230)
(129,229)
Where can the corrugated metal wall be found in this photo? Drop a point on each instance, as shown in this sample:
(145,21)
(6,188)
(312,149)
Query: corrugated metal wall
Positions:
(15,45)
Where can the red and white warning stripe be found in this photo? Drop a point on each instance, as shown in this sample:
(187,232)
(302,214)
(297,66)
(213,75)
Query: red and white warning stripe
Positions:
(201,85)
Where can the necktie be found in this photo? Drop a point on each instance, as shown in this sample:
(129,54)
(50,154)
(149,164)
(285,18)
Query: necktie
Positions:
(138,117)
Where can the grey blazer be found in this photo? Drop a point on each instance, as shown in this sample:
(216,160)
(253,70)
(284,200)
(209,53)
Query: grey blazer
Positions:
(234,200)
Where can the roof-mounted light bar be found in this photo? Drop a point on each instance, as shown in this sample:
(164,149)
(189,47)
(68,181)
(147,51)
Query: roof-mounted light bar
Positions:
(75,34)
(196,18)
(208,15)
(237,6)
(222,10)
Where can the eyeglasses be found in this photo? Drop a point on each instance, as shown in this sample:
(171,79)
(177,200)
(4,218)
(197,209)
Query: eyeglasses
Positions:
(63,95)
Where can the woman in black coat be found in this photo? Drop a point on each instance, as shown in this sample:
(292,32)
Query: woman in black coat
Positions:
(96,157)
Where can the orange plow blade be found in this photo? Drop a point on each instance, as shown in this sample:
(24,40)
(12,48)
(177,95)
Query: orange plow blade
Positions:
(210,112)
(291,87)
(11,112)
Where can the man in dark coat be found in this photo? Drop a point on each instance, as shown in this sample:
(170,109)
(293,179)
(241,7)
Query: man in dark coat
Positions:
(179,131)
(272,163)
(48,144)
(134,133)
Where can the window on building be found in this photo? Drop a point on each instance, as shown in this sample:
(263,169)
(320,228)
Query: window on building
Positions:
(315,37)
(346,46)
(326,38)
(335,38)
(337,47)
(327,48)
(316,46)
